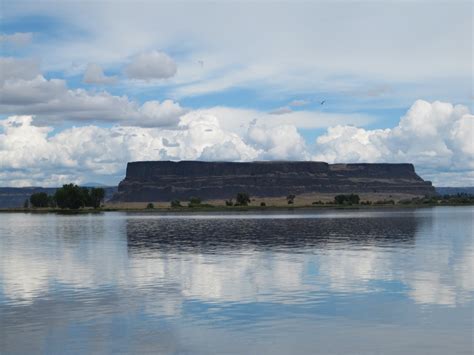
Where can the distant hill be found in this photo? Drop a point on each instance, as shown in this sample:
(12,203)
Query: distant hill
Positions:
(455,190)
(11,197)
(93,184)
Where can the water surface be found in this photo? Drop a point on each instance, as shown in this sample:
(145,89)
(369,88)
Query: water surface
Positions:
(329,282)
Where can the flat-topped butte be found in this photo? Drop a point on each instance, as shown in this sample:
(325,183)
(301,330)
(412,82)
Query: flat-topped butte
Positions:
(167,180)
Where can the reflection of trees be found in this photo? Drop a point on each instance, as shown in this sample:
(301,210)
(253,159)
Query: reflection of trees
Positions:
(297,234)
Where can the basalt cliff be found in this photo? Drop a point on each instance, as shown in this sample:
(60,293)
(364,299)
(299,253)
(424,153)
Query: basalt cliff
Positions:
(167,180)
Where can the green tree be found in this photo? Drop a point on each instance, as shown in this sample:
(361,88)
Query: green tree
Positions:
(51,201)
(354,199)
(290,199)
(86,198)
(351,199)
(194,202)
(175,204)
(39,199)
(150,206)
(70,196)
(242,199)
(96,196)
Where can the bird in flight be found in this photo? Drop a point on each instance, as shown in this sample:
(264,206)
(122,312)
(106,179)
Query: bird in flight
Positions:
(322,102)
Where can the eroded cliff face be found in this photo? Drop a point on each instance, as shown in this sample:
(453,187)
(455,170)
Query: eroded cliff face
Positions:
(167,180)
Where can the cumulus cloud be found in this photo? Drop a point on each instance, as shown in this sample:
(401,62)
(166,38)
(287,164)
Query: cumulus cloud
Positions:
(436,137)
(18,38)
(24,91)
(152,65)
(15,68)
(33,155)
(52,101)
(280,142)
(238,119)
(95,75)
(21,96)
(168,113)
(278,59)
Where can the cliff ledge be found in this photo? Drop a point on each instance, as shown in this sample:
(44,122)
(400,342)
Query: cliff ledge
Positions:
(167,180)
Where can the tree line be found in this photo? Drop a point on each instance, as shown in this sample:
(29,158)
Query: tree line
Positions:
(69,196)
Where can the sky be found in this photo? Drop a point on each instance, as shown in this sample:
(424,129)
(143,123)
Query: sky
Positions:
(86,86)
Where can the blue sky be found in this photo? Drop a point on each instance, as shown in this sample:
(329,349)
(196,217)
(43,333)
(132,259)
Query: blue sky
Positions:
(234,81)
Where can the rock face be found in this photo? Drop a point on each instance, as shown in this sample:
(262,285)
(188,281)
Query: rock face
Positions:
(167,180)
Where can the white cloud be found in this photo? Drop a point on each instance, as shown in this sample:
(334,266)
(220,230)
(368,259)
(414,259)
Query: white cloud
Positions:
(150,66)
(345,53)
(281,111)
(31,155)
(52,101)
(436,137)
(221,152)
(15,68)
(17,96)
(279,142)
(25,91)
(298,103)
(17,39)
(168,113)
(238,119)
(95,75)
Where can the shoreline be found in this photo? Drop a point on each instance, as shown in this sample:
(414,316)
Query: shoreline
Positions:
(187,210)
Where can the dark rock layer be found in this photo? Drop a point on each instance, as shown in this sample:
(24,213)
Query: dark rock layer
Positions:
(166,180)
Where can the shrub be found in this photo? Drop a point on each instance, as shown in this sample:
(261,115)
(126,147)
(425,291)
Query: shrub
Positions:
(290,199)
(39,199)
(229,202)
(150,206)
(351,199)
(175,204)
(26,204)
(262,204)
(194,202)
(242,199)
(384,202)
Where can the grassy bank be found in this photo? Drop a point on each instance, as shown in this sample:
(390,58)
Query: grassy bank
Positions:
(207,208)
(315,201)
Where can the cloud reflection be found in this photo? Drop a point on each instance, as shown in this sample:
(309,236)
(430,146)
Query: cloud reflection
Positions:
(167,262)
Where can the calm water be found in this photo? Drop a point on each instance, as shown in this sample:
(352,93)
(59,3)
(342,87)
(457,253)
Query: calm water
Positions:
(330,282)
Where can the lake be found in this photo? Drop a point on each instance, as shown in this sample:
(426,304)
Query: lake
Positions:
(369,281)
